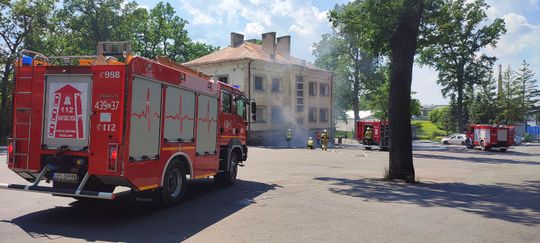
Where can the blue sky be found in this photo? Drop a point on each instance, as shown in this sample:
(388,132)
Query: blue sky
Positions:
(211,21)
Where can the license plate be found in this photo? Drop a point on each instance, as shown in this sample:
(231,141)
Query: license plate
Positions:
(66,177)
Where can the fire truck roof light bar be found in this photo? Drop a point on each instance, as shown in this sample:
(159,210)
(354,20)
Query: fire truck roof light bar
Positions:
(62,192)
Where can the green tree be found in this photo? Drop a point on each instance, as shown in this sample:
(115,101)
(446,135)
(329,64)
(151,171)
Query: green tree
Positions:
(160,32)
(328,57)
(434,116)
(454,35)
(484,109)
(390,28)
(356,68)
(530,94)
(511,99)
(416,107)
(446,119)
(22,24)
(89,22)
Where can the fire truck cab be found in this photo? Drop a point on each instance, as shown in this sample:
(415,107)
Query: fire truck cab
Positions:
(490,136)
(380,134)
(89,124)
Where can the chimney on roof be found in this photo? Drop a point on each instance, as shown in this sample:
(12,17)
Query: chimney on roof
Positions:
(269,43)
(284,46)
(236,39)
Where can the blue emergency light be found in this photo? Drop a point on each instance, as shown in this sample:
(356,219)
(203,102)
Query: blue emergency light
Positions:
(236,86)
(27,60)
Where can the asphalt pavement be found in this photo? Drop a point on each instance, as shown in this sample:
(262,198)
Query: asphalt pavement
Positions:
(299,195)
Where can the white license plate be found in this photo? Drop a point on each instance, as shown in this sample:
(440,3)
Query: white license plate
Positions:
(66,177)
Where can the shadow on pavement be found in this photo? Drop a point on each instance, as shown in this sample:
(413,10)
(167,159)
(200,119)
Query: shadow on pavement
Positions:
(509,202)
(482,160)
(127,221)
(461,149)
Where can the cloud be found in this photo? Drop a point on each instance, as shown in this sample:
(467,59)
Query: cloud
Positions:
(253,29)
(298,18)
(520,43)
(281,8)
(198,16)
(308,20)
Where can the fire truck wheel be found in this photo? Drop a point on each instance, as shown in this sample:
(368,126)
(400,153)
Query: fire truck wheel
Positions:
(174,184)
(228,177)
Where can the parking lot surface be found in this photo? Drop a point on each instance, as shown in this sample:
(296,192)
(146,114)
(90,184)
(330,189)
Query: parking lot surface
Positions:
(299,195)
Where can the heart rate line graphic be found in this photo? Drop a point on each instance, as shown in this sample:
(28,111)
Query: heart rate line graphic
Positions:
(208,119)
(147,110)
(180,116)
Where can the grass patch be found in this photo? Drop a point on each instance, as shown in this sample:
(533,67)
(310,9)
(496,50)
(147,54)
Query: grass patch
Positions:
(342,134)
(426,130)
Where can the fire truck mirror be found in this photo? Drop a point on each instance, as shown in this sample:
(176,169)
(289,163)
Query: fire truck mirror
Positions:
(254,117)
(253,108)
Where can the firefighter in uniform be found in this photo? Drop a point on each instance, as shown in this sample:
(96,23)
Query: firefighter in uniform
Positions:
(368,137)
(310,143)
(289,137)
(324,140)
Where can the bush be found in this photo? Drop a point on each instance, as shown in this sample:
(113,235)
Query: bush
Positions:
(527,138)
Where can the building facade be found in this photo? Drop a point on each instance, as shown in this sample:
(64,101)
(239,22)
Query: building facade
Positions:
(290,93)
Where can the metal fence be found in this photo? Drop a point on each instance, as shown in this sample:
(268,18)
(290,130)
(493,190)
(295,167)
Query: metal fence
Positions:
(534,131)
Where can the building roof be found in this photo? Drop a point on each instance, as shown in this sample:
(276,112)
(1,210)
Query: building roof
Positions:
(248,50)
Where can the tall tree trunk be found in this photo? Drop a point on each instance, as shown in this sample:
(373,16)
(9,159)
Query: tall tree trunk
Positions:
(356,88)
(403,48)
(459,115)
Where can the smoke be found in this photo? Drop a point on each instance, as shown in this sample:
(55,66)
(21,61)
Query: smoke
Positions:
(276,135)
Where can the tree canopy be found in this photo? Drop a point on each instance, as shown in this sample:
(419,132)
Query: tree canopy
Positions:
(452,38)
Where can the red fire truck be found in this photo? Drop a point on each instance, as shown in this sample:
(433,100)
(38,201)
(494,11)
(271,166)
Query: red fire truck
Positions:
(490,136)
(92,123)
(380,131)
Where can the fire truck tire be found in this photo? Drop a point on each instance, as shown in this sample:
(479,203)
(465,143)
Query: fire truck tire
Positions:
(227,178)
(174,185)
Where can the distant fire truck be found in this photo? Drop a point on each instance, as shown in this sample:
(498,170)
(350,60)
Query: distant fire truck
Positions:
(490,136)
(380,131)
(92,123)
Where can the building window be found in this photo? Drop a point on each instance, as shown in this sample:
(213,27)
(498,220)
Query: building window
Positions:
(223,79)
(259,83)
(299,93)
(277,114)
(312,89)
(261,114)
(325,90)
(226,100)
(276,85)
(312,114)
(299,83)
(323,114)
(300,120)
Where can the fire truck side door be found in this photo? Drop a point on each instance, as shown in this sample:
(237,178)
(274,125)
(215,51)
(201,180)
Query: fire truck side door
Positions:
(145,119)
